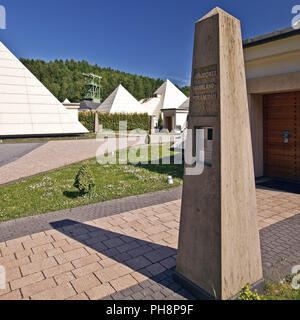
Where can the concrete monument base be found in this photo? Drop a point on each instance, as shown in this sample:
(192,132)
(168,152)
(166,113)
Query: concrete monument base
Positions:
(201,294)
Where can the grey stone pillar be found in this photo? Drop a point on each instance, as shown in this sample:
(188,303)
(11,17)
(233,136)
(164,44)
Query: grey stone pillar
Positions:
(96,122)
(219,246)
(152,129)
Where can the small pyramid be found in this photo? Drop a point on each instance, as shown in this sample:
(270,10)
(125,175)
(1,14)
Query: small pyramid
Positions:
(120,101)
(67,101)
(172,97)
(27,107)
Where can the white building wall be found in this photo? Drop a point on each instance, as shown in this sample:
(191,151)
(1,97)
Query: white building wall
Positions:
(273,58)
(181,119)
(287,63)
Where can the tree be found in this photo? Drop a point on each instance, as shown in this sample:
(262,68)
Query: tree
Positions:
(65,80)
(84,180)
(186,90)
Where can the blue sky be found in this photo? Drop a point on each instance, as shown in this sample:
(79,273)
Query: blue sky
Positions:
(148,37)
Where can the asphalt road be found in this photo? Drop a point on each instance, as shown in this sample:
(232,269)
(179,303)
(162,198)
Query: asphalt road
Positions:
(14,151)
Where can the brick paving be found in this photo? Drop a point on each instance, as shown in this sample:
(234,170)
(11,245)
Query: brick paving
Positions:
(35,224)
(280,243)
(132,254)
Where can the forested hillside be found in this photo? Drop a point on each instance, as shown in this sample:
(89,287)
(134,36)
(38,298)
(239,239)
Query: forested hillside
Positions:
(64,79)
(186,90)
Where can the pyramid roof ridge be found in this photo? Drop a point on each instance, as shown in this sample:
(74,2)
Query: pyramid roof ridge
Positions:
(172,97)
(120,101)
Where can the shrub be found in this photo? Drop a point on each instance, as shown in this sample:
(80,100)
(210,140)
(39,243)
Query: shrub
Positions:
(160,123)
(247,294)
(134,121)
(111,120)
(84,180)
(87,119)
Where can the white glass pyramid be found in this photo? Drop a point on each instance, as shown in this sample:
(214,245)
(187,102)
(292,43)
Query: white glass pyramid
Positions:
(120,101)
(27,107)
(171,96)
(167,96)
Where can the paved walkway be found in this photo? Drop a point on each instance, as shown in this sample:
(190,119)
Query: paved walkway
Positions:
(132,254)
(29,225)
(50,156)
(14,151)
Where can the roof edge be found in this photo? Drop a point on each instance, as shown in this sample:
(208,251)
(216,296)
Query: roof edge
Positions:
(270,37)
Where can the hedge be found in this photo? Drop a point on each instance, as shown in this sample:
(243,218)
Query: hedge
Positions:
(87,119)
(111,120)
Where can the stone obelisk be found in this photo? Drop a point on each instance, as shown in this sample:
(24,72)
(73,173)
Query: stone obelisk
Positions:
(219,248)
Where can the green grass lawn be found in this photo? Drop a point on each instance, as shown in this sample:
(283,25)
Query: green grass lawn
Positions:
(280,291)
(54,190)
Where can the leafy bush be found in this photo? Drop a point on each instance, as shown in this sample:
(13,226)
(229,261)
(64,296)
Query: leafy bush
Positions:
(88,120)
(84,180)
(134,121)
(111,120)
(160,123)
(280,291)
(247,294)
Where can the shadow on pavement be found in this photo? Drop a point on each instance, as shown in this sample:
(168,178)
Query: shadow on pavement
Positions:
(139,255)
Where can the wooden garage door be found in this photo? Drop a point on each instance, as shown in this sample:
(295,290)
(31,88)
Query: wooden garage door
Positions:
(281,114)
